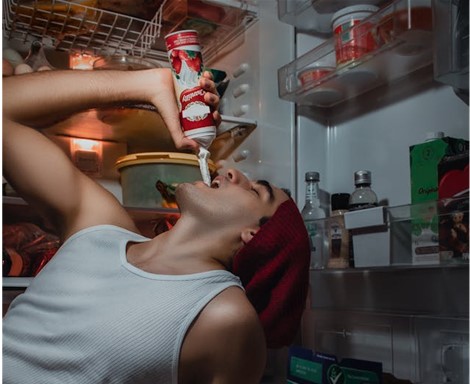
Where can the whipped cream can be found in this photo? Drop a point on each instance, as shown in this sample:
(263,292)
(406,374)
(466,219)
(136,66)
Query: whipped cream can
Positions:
(184,54)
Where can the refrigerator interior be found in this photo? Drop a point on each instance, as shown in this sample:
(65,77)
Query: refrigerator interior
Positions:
(412,319)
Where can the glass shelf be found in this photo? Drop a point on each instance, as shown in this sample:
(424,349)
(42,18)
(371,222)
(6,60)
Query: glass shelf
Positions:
(405,229)
(402,43)
(149,133)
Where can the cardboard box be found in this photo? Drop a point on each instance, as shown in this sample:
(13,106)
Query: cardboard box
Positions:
(308,367)
(370,236)
(424,161)
(453,174)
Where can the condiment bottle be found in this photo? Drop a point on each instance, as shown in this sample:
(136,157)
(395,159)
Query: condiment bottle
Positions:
(338,234)
(185,57)
(313,216)
(363,196)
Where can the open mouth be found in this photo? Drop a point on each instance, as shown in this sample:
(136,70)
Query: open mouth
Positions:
(215,184)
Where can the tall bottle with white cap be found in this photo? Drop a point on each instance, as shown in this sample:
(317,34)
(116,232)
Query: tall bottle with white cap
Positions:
(313,216)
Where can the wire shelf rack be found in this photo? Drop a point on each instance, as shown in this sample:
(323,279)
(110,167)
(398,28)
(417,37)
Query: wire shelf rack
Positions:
(79,26)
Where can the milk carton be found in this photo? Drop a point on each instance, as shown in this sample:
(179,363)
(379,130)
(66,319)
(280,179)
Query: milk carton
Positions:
(424,161)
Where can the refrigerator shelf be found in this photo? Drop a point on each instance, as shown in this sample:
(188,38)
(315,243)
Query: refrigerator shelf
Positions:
(403,44)
(143,130)
(82,26)
(441,228)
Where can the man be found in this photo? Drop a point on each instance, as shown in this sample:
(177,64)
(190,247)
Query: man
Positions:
(115,307)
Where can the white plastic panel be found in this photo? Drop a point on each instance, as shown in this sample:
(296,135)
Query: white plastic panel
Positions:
(252,64)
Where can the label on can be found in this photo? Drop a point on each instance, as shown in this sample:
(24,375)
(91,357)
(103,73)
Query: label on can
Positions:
(195,114)
(184,54)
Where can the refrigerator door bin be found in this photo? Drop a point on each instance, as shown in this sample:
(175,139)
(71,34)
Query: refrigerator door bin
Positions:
(402,35)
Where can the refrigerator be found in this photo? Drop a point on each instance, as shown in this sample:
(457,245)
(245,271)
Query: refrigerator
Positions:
(363,115)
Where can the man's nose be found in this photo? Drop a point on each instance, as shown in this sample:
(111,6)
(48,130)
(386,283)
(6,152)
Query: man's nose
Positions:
(236,177)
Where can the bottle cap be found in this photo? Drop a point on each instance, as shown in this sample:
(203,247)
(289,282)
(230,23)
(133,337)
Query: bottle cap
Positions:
(434,135)
(312,176)
(340,201)
(362,177)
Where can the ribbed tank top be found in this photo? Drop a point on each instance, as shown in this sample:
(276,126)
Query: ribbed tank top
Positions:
(92,317)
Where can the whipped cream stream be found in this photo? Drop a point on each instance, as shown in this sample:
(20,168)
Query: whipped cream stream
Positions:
(203,157)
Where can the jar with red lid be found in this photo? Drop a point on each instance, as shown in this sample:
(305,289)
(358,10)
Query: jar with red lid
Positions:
(353,34)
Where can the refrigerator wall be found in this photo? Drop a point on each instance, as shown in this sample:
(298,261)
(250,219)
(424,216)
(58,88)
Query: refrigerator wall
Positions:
(253,61)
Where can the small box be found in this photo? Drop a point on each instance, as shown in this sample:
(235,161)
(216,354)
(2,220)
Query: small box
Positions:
(308,367)
(424,161)
(370,236)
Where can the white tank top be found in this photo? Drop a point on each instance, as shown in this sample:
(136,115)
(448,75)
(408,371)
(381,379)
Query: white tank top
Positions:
(91,317)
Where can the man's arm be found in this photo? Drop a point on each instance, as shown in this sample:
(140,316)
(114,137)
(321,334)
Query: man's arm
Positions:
(226,343)
(40,172)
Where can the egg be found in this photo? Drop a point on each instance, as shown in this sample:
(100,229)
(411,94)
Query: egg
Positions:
(23,68)
(7,68)
(44,68)
(12,56)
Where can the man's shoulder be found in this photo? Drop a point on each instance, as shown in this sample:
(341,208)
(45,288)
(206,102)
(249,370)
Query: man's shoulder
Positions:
(227,335)
(229,308)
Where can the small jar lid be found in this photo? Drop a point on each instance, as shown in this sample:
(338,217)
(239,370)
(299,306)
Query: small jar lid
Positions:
(359,9)
(362,177)
(312,176)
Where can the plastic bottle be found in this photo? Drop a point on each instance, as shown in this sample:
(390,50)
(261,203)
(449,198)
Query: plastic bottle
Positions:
(363,196)
(313,214)
(338,234)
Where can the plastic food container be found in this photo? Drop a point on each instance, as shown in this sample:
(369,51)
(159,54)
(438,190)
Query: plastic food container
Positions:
(149,180)
(401,17)
(352,41)
(314,73)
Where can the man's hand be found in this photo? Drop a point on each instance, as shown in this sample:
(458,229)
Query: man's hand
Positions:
(169,110)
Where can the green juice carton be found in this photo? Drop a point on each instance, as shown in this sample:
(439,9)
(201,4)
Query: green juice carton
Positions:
(424,161)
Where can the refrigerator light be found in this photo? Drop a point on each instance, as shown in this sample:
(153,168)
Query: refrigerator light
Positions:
(81,61)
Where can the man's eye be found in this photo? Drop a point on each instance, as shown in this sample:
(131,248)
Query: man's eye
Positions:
(255,191)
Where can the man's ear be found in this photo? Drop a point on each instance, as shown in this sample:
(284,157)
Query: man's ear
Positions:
(248,234)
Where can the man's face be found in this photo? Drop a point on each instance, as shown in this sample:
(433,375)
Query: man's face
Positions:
(233,197)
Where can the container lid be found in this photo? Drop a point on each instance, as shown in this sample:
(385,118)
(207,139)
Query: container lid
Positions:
(312,176)
(362,177)
(160,158)
(124,63)
(359,8)
(340,201)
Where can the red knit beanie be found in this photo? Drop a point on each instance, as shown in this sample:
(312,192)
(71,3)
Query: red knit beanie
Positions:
(274,269)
